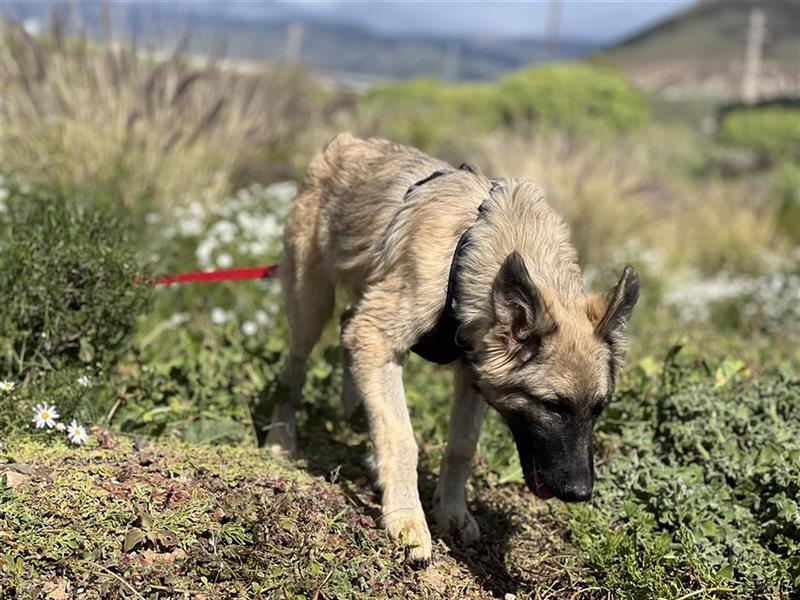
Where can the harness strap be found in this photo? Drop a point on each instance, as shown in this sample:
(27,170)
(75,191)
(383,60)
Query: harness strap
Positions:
(429,178)
(440,344)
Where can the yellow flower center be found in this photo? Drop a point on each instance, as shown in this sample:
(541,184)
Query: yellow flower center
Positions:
(45,416)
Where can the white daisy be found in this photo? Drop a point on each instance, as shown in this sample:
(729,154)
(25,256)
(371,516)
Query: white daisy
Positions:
(45,416)
(224,260)
(84,381)
(178,319)
(218,316)
(76,433)
(60,426)
(249,328)
(7,386)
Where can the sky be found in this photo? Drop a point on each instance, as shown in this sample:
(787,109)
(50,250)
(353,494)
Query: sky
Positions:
(589,20)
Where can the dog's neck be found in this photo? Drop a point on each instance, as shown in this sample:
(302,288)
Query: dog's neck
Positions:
(515,218)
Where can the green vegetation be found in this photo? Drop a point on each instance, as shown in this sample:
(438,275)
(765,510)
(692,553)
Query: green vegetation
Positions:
(698,456)
(697,491)
(772,132)
(66,283)
(579,98)
(702,485)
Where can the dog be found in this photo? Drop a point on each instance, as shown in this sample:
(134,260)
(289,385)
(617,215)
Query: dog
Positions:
(464,270)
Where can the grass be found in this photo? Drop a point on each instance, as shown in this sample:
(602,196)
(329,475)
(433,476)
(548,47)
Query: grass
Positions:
(626,194)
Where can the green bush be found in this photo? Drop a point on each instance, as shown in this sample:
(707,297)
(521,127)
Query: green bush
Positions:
(423,111)
(773,132)
(576,97)
(66,283)
(786,189)
(701,486)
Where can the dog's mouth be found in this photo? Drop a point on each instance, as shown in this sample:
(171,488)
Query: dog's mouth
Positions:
(535,481)
(539,487)
(533,476)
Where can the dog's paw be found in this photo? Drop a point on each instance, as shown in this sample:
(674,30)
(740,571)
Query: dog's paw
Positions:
(281,442)
(410,529)
(457,522)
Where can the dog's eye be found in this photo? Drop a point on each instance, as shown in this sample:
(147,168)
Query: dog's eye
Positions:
(555,407)
(598,408)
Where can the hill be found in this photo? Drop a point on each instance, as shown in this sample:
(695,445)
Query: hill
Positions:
(700,52)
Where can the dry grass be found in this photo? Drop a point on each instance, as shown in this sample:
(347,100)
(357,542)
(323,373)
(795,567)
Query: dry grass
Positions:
(722,225)
(616,195)
(604,194)
(148,130)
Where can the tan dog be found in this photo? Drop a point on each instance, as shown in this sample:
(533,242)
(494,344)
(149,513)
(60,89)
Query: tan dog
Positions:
(463,269)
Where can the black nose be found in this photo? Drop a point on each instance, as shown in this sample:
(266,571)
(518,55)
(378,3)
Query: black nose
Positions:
(576,492)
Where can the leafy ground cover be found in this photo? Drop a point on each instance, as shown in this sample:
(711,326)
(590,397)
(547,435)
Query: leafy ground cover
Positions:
(697,497)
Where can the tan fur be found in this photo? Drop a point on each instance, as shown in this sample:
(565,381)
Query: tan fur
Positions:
(353,226)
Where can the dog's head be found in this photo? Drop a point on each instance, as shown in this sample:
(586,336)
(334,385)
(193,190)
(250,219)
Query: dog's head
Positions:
(549,367)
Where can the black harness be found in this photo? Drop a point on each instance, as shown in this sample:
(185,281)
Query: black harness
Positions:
(441,344)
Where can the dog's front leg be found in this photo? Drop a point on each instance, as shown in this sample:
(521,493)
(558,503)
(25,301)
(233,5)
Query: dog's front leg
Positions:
(450,498)
(378,378)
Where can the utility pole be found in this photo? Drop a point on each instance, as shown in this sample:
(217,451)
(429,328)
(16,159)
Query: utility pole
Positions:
(756,29)
(294,42)
(553,26)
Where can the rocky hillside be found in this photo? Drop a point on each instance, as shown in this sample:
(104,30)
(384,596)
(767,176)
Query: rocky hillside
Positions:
(700,52)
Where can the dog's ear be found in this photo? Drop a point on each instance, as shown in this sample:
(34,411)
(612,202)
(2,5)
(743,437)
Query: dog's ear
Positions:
(519,307)
(611,312)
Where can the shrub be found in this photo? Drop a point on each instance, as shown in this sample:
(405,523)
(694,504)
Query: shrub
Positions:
(423,111)
(145,131)
(786,188)
(772,131)
(66,283)
(575,97)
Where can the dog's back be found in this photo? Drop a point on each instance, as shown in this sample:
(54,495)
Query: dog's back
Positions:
(354,199)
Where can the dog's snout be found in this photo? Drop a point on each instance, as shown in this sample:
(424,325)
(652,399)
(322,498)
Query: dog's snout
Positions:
(577,492)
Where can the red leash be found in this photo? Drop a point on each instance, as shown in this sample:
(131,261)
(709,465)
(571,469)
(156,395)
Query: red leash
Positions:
(213,276)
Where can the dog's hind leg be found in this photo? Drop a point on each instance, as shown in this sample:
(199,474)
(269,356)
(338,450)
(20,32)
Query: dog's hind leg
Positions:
(350,396)
(450,498)
(309,293)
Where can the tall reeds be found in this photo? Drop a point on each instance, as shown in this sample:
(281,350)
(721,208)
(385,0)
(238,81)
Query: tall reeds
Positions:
(149,129)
